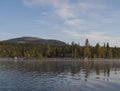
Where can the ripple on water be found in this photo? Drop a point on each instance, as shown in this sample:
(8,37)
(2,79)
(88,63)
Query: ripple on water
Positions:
(27,76)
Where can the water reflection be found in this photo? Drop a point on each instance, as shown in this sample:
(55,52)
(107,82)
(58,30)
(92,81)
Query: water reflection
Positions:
(32,75)
(67,67)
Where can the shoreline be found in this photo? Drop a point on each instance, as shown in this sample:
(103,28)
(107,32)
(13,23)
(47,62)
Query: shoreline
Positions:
(58,59)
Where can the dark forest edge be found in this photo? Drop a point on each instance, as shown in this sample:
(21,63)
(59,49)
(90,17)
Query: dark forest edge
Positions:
(41,51)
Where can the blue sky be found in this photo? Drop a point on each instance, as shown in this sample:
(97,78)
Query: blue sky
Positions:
(66,20)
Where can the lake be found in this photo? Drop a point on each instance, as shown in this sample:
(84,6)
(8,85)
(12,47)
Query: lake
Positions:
(62,75)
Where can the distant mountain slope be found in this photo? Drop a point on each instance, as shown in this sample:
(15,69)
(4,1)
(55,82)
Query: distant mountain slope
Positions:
(35,40)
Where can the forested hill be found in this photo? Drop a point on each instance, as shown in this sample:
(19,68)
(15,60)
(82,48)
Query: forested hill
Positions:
(34,40)
(26,47)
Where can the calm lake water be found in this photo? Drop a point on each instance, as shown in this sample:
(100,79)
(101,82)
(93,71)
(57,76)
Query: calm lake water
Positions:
(62,75)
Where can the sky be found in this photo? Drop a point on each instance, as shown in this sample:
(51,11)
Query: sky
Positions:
(65,20)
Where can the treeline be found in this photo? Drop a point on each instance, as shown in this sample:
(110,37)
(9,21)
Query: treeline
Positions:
(27,50)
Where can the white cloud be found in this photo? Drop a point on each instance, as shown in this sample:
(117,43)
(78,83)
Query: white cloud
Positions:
(65,13)
(93,36)
(83,16)
(82,24)
(72,33)
(74,22)
(65,9)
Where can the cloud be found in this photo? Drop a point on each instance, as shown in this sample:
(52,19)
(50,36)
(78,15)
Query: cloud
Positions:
(93,36)
(82,24)
(74,22)
(72,33)
(64,8)
(65,12)
(81,19)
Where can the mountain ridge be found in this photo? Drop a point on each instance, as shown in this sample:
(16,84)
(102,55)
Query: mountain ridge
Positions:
(34,40)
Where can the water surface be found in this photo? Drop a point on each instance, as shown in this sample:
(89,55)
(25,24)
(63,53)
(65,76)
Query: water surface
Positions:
(62,75)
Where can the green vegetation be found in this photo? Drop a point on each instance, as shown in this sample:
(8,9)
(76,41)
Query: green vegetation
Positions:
(29,50)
